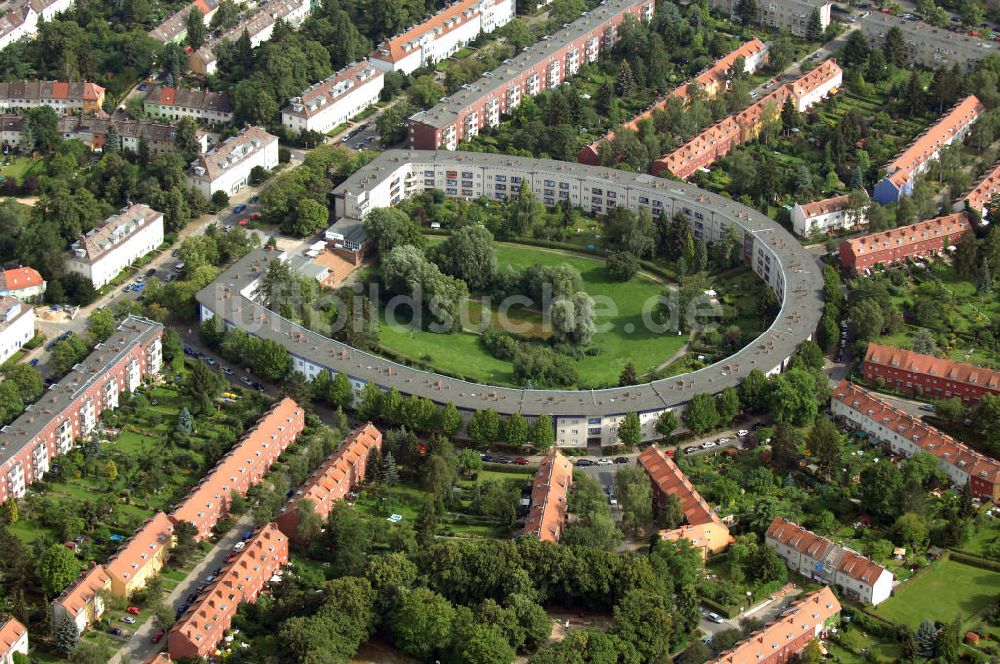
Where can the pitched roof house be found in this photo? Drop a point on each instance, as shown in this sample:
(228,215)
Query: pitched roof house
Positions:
(547,515)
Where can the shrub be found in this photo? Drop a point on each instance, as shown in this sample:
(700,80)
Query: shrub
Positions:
(622,266)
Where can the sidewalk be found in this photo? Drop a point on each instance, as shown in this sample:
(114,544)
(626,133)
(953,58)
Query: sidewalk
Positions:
(139,648)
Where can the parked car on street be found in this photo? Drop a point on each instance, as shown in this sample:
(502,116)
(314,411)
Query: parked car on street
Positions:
(134,610)
(157,636)
(239,208)
(708,444)
(128,620)
(621,459)
(520,461)
(580,463)
(689,450)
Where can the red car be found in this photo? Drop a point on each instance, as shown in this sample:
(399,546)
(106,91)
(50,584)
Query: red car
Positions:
(244,222)
(521,461)
(255,215)
(670,453)
(134,610)
(157,636)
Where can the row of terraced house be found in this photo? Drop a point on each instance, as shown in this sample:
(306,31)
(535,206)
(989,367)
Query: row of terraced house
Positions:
(711,82)
(539,67)
(143,556)
(718,140)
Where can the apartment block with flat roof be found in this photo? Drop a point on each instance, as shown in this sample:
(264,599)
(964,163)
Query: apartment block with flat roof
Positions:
(927,45)
(70,409)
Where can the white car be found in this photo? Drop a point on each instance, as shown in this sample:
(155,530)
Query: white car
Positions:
(722,441)
(708,444)
(604,462)
(742,432)
(239,546)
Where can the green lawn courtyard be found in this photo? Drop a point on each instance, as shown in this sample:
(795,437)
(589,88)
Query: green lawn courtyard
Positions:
(946,590)
(619,307)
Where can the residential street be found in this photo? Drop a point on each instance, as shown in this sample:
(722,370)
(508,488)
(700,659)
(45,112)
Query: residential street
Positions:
(139,648)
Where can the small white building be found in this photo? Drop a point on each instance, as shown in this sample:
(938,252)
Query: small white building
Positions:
(13,639)
(227,167)
(24,283)
(111,247)
(825,561)
(335,100)
(826,216)
(17,326)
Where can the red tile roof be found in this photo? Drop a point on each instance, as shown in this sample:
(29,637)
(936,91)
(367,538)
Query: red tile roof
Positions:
(203,625)
(548,498)
(979,196)
(155,534)
(159,658)
(928,365)
(83,591)
(20,278)
(669,480)
(825,206)
(11,631)
(802,617)
(933,139)
(928,438)
(242,467)
(334,478)
(706,79)
(818,548)
(906,236)
(448,19)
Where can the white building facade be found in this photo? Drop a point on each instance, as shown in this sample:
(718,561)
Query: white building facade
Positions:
(227,167)
(442,35)
(335,100)
(826,216)
(17,326)
(123,238)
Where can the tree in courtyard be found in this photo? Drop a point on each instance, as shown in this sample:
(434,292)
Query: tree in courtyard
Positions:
(881,488)
(515,430)
(746,10)
(666,423)
(427,520)
(309,521)
(8,512)
(340,394)
(468,254)
(543,434)
(811,654)
(785,442)
(421,624)
(635,495)
(622,266)
(824,443)
(814,30)
(449,419)
(894,47)
(185,422)
(630,430)
(701,414)
(926,635)
(348,537)
(628,375)
(389,228)
(484,428)
(573,318)
(57,568)
(65,637)
(728,405)
(196,30)
(185,545)
(370,405)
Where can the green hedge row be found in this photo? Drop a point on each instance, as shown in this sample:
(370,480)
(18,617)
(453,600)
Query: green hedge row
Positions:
(974,560)
(721,609)
(511,468)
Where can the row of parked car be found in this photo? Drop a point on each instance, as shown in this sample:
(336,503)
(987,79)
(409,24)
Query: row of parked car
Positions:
(519,461)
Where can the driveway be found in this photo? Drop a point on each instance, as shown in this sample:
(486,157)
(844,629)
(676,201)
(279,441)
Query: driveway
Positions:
(138,648)
(765,612)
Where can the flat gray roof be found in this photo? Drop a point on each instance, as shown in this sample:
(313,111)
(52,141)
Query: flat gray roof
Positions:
(446,112)
(801,308)
(56,399)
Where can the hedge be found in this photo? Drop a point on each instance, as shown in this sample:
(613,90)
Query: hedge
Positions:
(974,560)
(511,468)
(721,609)
(872,622)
